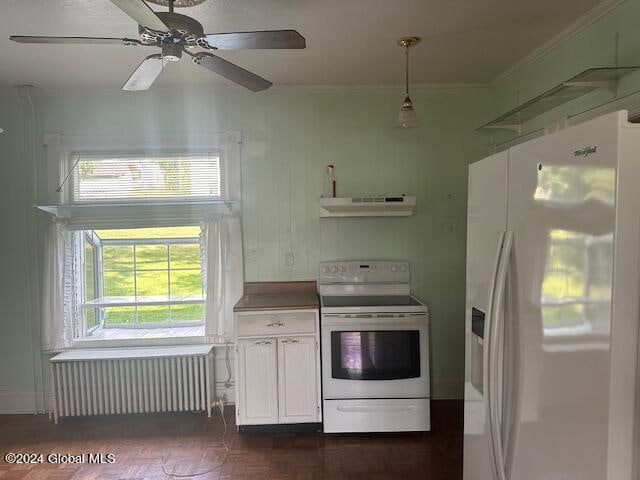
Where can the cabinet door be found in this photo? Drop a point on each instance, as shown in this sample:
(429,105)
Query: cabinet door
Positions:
(298,380)
(257,382)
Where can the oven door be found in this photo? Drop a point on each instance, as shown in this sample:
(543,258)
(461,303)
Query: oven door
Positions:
(375,357)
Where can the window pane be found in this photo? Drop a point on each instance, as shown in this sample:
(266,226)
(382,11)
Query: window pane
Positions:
(186,313)
(90,292)
(155,232)
(91,317)
(153,314)
(151,257)
(186,282)
(117,257)
(135,271)
(185,256)
(91,314)
(119,315)
(103,178)
(118,284)
(152,284)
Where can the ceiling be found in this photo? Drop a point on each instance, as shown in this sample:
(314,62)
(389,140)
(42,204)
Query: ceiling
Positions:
(349,42)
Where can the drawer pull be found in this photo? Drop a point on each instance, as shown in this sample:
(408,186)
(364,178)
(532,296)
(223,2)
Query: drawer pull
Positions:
(290,341)
(263,342)
(275,324)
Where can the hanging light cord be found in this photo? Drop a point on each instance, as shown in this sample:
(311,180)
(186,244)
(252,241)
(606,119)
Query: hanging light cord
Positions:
(406,69)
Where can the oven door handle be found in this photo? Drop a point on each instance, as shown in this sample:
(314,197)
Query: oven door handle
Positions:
(375,408)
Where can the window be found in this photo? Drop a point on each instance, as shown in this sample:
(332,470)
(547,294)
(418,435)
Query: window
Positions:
(140,278)
(134,217)
(112,178)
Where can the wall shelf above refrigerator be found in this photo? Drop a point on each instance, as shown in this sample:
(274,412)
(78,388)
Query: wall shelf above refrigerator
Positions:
(371,206)
(587,81)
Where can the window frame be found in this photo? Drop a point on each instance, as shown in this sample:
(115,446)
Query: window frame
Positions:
(99,279)
(94,242)
(68,170)
(59,147)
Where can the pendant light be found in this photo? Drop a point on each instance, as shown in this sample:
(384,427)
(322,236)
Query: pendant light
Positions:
(407,117)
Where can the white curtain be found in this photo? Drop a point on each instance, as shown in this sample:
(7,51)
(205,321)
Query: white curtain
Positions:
(222,274)
(58,289)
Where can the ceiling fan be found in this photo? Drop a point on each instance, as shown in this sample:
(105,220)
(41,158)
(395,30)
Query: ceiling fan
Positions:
(176,34)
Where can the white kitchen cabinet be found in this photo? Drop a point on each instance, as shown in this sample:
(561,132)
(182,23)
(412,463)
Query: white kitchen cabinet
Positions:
(278,367)
(297,380)
(257,381)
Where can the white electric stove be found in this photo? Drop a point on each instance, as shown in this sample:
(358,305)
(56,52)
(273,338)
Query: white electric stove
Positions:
(375,348)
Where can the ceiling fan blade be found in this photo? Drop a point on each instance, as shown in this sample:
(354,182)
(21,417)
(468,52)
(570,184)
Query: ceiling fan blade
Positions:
(255,40)
(142,14)
(232,72)
(146,73)
(76,40)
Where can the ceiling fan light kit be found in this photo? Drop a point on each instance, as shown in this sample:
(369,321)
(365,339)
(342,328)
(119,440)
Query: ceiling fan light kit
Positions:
(407,117)
(176,34)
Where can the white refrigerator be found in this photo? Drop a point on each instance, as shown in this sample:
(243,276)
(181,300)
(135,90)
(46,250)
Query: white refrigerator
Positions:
(552,307)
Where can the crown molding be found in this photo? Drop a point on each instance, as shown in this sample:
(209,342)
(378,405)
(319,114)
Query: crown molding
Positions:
(399,87)
(589,18)
(213,89)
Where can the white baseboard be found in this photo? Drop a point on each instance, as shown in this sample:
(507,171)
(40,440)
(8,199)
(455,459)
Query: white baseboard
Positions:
(447,390)
(17,401)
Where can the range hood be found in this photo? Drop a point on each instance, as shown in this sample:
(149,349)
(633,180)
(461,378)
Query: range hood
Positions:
(368,206)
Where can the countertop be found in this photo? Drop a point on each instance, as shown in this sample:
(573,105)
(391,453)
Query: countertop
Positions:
(278,296)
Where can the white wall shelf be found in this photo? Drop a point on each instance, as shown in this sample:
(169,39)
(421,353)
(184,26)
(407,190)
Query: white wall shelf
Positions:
(117,214)
(372,206)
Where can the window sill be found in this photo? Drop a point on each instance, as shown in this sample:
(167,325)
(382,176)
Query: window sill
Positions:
(132,301)
(134,337)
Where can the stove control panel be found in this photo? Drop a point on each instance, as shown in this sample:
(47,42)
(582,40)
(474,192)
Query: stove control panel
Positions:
(364,272)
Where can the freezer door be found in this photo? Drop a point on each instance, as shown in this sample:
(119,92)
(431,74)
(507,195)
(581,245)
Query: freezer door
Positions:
(562,202)
(486,222)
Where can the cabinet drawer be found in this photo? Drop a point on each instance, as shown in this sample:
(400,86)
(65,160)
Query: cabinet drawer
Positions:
(261,324)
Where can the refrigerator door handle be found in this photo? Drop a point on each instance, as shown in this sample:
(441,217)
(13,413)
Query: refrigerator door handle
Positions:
(486,367)
(497,317)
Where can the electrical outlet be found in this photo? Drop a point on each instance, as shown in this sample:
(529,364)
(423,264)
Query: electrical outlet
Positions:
(252,255)
(288,259)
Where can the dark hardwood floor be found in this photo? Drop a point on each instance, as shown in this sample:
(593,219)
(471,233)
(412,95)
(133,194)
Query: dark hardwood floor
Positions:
(189,444)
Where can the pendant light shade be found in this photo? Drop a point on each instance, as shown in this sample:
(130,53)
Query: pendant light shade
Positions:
(407,117)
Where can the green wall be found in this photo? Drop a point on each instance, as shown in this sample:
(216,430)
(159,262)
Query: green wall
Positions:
(17,384)
(288,139)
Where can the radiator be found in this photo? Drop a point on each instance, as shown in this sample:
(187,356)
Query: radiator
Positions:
(119,381)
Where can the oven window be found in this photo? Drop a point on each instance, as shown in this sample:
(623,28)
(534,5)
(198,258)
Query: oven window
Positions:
(375,355)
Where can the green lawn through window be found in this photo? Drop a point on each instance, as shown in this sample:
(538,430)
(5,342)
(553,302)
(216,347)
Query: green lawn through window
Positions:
(145,270)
